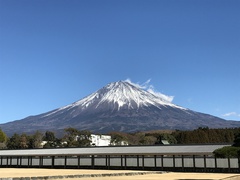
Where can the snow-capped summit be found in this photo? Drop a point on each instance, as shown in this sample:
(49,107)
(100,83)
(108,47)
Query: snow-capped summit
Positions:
(119,106)
(123,94)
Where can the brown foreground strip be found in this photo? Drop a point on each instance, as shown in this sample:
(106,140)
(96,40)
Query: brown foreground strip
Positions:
(74,174)
(171,176)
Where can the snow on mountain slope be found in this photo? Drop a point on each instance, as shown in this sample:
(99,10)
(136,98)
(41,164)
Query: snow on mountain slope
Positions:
(119,106)
(119,94)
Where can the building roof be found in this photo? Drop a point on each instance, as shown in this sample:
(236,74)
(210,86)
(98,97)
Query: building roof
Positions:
(121,150)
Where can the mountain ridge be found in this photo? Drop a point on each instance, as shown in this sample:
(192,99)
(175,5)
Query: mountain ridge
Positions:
(118,106)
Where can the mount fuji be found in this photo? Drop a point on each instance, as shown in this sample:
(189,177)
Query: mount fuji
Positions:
(119,106)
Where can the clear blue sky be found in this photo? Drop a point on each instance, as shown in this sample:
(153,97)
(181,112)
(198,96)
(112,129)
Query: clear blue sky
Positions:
(55,52)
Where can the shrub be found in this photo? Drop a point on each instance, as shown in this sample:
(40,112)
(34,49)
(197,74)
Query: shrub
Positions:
(227,151)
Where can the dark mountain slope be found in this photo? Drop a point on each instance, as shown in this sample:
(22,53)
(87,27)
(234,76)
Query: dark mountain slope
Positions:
(119,106)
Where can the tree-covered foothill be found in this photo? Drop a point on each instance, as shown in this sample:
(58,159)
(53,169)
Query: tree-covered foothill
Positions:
(25,141)
(205,135)
(202,135)
(72,137)
(141,138)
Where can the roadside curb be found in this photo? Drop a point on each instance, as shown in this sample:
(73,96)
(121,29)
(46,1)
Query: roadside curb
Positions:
(82,176)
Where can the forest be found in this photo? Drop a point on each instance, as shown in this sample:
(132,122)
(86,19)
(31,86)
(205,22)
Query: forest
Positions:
(202,135)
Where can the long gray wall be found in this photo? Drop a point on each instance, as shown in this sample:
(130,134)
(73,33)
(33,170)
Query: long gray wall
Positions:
(181,163)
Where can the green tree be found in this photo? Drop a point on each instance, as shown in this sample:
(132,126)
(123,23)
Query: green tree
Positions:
(52,141)
(206,135)
(76,138)
(49,136)
(170,138)
(227,151)
(148,140)
(84,138)
(35,141)
(70,137)
(117,138)
(236,142)
(14,142)
(23,141)
(3,137)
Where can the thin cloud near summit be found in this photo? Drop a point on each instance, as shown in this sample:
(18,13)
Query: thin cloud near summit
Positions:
(231,114)
(150,88)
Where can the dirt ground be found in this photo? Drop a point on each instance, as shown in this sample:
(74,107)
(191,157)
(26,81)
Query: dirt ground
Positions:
(173,176)
(14,172)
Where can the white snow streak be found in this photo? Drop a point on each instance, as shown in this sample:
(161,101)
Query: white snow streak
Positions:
(124,93)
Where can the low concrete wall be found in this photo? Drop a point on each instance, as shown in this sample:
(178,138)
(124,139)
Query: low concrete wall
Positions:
(169,163)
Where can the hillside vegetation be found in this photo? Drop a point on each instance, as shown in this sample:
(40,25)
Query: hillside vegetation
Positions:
(197,136)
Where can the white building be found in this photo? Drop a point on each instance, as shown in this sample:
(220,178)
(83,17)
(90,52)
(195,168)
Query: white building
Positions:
(100,140)
(97,140)
(120,143)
